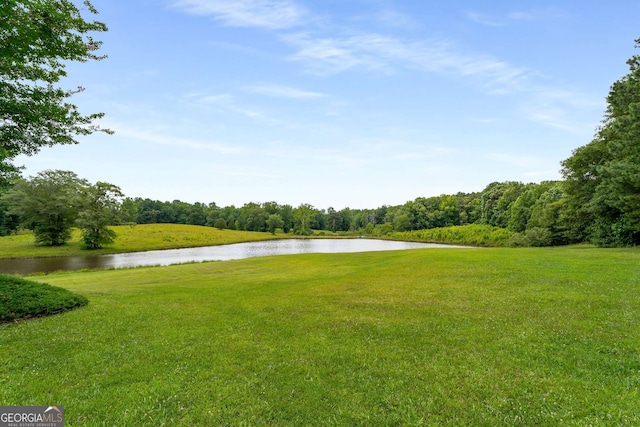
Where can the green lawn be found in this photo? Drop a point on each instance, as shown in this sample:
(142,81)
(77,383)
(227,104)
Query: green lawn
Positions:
(143,237)
(462,337)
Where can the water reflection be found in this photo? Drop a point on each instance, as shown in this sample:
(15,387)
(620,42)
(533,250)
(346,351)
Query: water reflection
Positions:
(208,253)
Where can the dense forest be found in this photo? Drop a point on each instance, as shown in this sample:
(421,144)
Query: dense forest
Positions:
(535,214)
(522,208)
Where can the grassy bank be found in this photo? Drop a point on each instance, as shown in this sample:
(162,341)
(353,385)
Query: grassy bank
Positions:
(141,237)
(424,337)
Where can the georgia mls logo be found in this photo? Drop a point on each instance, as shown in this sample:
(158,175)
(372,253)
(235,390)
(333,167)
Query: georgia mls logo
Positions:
(56,411)
(31,416)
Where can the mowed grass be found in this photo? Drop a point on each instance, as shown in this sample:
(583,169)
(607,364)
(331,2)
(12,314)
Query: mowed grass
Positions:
(142,237)
(462,337)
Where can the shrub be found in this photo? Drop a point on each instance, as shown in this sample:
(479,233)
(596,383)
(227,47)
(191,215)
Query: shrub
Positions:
(518,240)
(538,236)
(383,229)
(472,234)
(21,299)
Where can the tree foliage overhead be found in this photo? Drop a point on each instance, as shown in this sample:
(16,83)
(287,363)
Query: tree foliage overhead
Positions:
(603,177)
(37,39)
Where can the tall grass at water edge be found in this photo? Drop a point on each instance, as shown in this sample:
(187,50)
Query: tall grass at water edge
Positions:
(472,235)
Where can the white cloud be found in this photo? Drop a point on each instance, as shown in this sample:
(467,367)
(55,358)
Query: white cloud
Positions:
(556,107)
(229,103)
(271,14)
(327,51)
(503,20)
(162,138)
(521,16)
(331,56)
(561,109)
(485,120)
(395,19)
(279,91)
(379,52)
(554,117)
(484,19)
(222,99)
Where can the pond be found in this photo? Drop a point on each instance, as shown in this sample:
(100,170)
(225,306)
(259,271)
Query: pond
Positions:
(208,253)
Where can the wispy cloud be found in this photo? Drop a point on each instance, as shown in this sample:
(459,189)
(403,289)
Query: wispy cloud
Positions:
(279,91)
(485,19)
(540,101)
(229,103)
(502,20)
(162,138)
(379,52)
(521,16)
(365,153)
(485,120)
(560,109)
(271,14)
(332,55)
(328,50)
(555,117)
(395,19)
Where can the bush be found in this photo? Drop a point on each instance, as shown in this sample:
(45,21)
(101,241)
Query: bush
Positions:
(606,233)
(97,237)
(472,234)
(22,299)
(538,236)
(518,240)
(383,229)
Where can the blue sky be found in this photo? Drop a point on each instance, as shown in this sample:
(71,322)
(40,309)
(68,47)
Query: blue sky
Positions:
(341,103)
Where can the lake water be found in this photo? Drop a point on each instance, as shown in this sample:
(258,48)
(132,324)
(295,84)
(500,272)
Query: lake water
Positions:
(208,253)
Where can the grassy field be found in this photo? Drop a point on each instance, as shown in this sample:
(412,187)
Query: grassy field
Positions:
(143,237)
(478,337)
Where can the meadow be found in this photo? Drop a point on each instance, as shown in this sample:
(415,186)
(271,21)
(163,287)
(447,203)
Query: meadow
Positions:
(482,337)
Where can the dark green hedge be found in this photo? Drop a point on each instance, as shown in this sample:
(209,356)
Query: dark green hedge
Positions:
(22,299)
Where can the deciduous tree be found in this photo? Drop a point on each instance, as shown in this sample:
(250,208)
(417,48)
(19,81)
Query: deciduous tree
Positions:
(274,222)
(98,208)
(38,38)
(603,177)
(47,204)
(303,215)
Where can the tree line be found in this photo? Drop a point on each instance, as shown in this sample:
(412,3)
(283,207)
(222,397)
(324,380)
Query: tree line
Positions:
(53,202)
(536,211)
